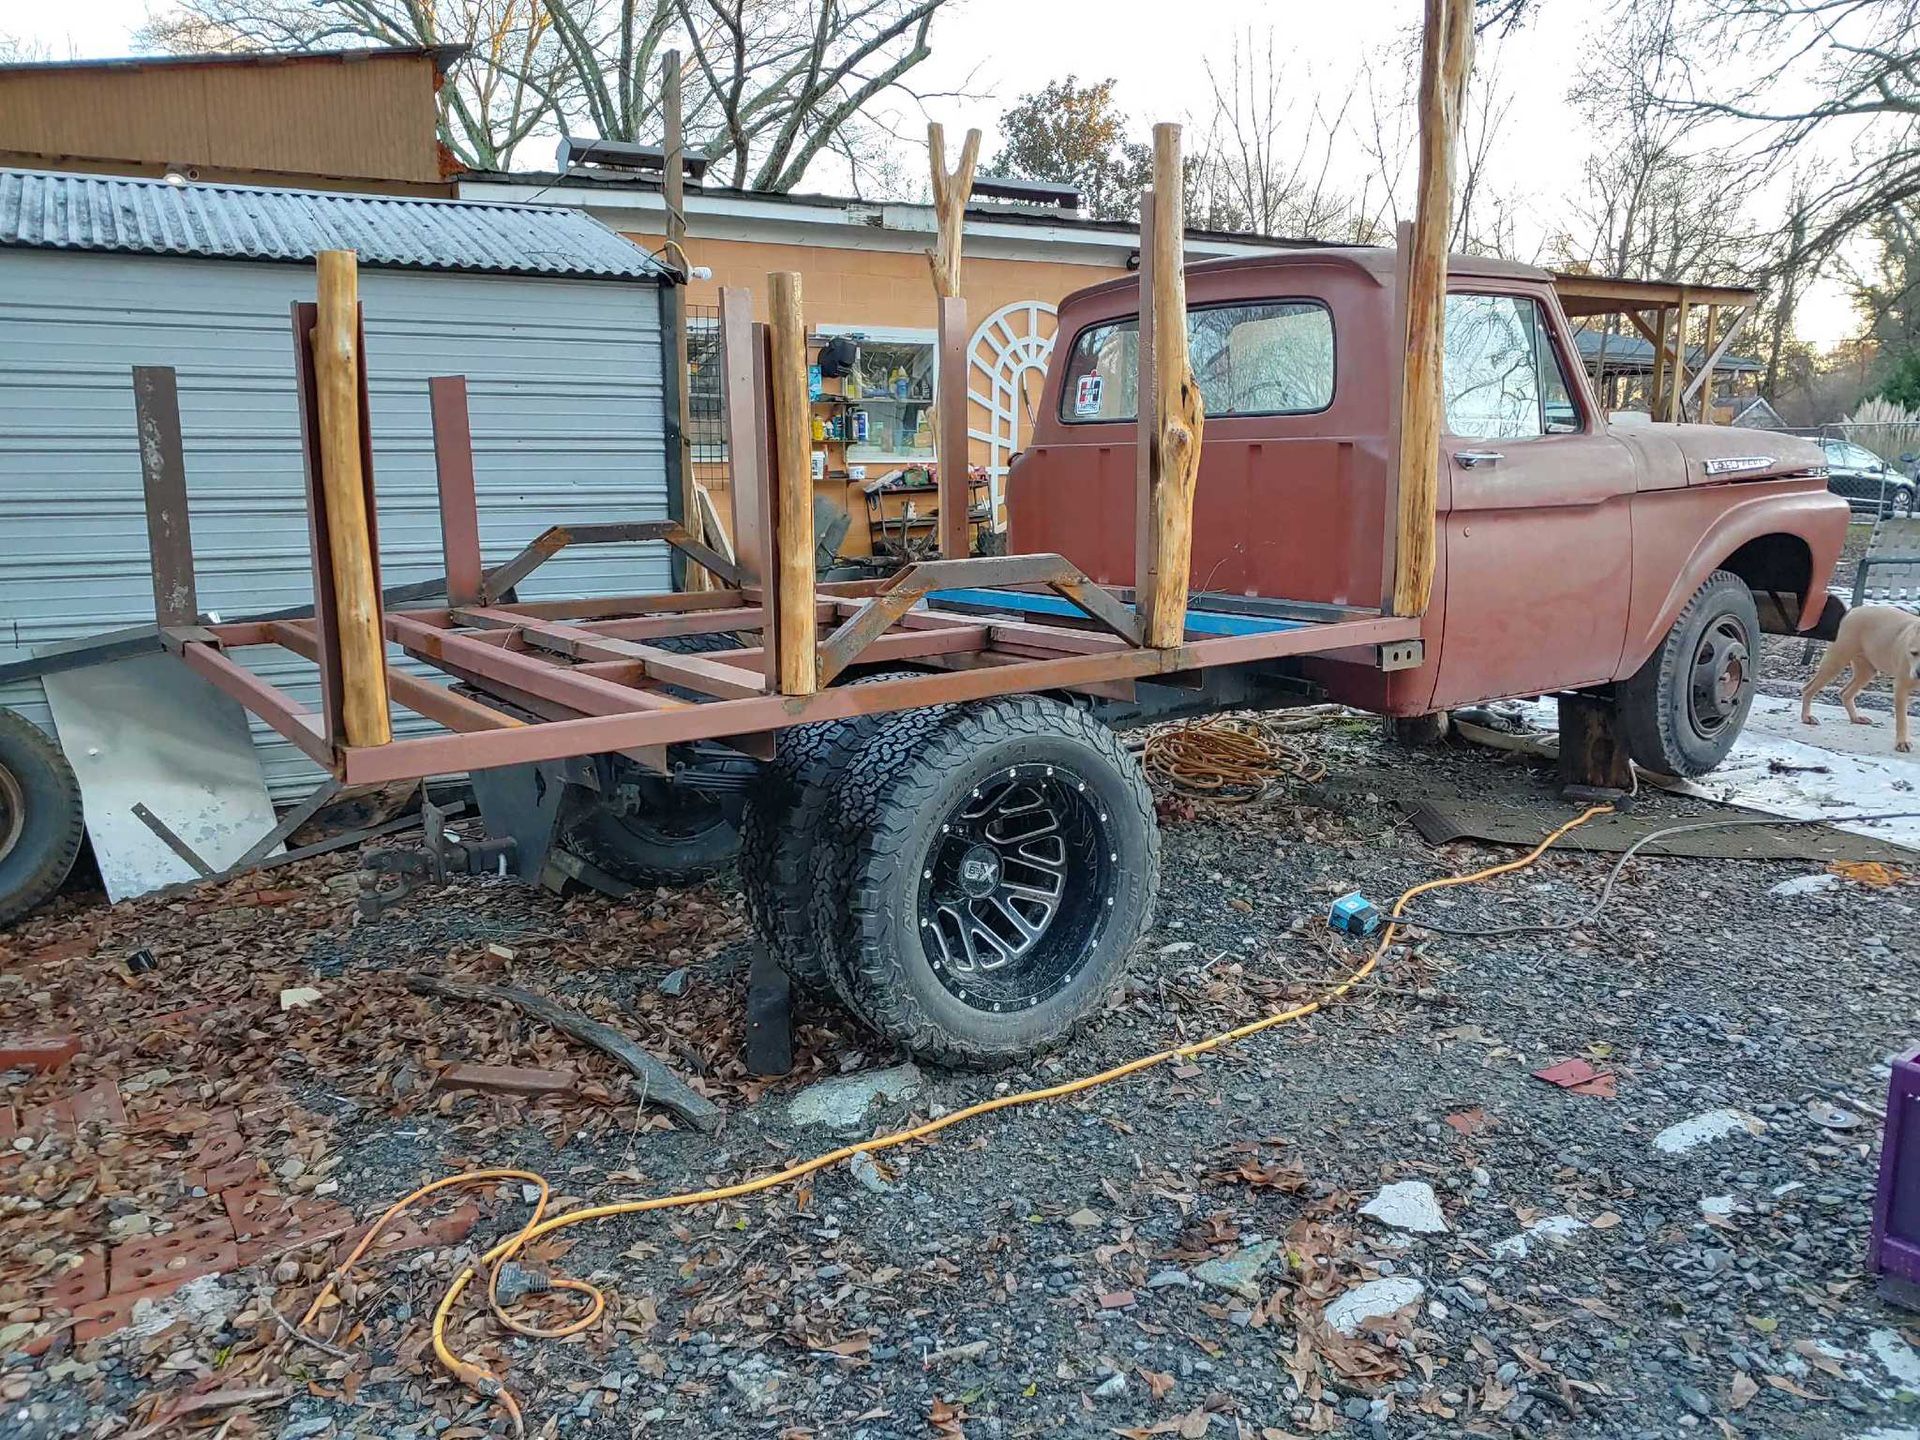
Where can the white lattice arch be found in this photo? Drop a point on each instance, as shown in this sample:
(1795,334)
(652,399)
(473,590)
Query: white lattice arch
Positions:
(1009,346)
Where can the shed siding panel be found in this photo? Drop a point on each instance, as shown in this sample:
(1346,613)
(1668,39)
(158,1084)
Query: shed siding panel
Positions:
(565,389)
(369,117)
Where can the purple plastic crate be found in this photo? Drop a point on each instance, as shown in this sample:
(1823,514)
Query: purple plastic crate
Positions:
(1894,1252)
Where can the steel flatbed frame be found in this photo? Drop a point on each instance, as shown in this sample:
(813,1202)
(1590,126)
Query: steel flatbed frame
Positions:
(552,680)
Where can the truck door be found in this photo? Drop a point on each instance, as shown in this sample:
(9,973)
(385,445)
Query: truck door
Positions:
(1538,525)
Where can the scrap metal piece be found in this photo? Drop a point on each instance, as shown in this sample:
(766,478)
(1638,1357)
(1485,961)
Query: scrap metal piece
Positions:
(149,732)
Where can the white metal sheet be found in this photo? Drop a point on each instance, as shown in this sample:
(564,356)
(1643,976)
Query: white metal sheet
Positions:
(150,732)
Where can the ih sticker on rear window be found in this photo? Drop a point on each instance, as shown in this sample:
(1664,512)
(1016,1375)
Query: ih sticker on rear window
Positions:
(1086,395)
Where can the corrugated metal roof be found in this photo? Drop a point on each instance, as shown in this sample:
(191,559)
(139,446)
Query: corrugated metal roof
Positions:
(43,210)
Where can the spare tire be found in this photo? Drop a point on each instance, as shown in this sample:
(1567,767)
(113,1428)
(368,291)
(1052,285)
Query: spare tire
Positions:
(40,821)
(675,835)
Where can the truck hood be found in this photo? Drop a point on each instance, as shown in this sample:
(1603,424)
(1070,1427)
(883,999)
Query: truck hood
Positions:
(1716,454)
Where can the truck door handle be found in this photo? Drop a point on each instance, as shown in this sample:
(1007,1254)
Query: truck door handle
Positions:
(1469,459)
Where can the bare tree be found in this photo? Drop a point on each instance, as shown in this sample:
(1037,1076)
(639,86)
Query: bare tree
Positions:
(770,85)
(1833,85)
(1268,164)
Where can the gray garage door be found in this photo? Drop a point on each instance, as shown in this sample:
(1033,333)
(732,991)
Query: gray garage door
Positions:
(565,386)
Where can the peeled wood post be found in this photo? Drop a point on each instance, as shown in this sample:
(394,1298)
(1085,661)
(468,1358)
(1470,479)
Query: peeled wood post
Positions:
(794,622)
(1144,427)
(356,591)
(1706,374)
(1445,60)
(950,191)
(1174,462)
(1677,380)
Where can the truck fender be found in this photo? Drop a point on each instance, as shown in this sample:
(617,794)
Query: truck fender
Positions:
(1808,517)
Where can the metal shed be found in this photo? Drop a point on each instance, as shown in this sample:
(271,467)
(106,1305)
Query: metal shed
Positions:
(555,321)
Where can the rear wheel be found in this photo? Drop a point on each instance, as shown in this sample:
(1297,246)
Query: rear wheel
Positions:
(781,827)
(995,897)
(41,826)
(1683,709)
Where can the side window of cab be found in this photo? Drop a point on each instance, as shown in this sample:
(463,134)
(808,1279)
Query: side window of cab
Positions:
(1502,376)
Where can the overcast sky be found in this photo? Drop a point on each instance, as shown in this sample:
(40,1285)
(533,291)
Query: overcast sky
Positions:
(998,49)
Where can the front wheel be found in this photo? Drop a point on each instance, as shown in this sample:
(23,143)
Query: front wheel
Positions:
(997,895)
(1682,710)
(1899,501)
(40,821)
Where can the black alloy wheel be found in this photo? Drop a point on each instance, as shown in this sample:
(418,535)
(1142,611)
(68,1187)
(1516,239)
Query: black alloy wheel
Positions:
(1010,899)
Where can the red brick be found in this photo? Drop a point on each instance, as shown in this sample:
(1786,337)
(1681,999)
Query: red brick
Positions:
(181,1254)
(9,1124)
(507,1079)
(104,1316)
(1567,1073)
(275,897)
(38,1119)
(314,1228)
(62,950)
(38,1052)
(257,1209)
(407,1234)
(220,1161)
(84,1282)
(99,1105)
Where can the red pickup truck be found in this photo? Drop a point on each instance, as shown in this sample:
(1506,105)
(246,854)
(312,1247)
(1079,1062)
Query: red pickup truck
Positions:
(1575,552)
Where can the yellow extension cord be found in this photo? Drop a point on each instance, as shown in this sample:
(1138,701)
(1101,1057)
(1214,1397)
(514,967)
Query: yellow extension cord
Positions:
(484,1382)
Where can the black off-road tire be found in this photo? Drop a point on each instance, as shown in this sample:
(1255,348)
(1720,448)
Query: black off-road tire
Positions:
(1111,846)
(864,771)
(687,840)
(1665,723)
(780,828)
(41,825)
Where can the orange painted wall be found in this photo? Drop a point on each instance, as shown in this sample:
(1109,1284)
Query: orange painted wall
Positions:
(876,288)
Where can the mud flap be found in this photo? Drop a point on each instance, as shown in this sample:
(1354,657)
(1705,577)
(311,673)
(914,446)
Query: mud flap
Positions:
(1780,615)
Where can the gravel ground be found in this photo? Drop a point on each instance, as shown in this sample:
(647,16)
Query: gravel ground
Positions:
(1056,1270)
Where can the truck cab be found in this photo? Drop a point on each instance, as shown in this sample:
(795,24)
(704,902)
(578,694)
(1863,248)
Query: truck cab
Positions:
(1569,545)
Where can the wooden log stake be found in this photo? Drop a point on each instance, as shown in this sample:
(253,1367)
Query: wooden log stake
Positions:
(1144,420)
(1445,60)
(1178,414)
(793,639)
(950,192)
(673,195)
(1677,377)
(1705,382)
(336,364)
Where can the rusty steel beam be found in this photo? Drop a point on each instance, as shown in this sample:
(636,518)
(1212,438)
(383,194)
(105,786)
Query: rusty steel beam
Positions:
(555,538)
(588,694)
(696,672)
(280,710)
(163,477)
(722,719)
(459,503)
(423,697)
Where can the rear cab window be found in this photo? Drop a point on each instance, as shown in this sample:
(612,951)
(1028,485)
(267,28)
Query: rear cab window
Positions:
(1251,357)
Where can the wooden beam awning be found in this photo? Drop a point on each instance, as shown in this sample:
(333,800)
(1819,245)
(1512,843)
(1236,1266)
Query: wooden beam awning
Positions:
(1608,295)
